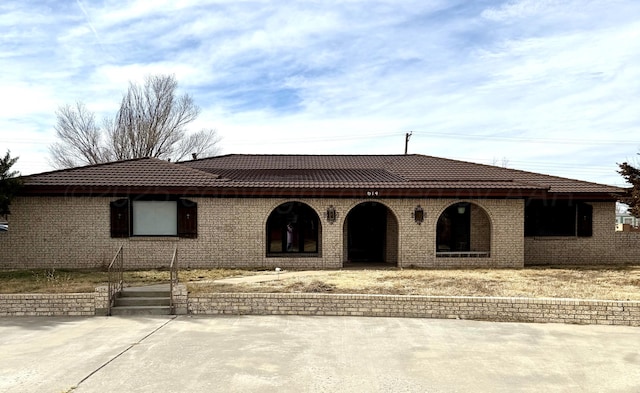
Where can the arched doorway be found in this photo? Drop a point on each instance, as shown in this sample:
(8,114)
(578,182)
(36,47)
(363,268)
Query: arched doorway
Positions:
(464,230)
(371,234)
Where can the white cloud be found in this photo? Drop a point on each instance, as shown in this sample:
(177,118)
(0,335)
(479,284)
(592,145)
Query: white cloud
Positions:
(344,77)
(519,9)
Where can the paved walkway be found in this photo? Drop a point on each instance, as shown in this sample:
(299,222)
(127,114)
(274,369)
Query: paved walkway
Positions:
(272,276)
(283,274)
(312,354)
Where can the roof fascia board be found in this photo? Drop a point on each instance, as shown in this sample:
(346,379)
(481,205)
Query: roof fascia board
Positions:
(365,193)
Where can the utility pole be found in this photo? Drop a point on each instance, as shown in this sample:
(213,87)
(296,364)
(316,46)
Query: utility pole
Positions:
(406,142)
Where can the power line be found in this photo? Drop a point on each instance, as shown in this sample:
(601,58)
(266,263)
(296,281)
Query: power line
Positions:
(438,135)
(514,139)
(456,136)
(332,138)
(586,169)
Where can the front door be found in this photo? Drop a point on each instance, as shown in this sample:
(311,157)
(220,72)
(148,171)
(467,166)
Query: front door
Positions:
(366,232)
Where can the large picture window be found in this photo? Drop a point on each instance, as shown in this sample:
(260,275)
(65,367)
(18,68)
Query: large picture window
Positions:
(154,218)
(463,230)
(558,218)
(453,231)
(292,228)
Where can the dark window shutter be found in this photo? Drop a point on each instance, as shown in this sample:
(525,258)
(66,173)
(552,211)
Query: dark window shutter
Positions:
(585,220)
(187,218)
(120,218)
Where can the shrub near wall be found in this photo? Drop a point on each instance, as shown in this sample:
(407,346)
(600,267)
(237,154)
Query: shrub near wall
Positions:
(476,308)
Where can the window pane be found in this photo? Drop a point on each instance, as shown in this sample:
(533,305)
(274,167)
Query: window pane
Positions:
(275,241)
(454,229)
(155,218)
(550,218)
(310,244)
(292,228)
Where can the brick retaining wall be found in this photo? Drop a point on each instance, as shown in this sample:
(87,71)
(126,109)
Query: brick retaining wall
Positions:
(71,304)
(601,312)
(47,304)
(477,308)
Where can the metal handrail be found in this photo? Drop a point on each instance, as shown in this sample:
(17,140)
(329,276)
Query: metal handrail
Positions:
(116,268)
(173,278)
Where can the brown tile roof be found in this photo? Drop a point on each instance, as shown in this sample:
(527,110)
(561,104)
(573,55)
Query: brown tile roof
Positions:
(142,172)
(407,171)
(308,175)
(309,172)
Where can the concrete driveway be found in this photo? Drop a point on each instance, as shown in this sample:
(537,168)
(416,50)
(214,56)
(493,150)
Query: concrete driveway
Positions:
(312,354)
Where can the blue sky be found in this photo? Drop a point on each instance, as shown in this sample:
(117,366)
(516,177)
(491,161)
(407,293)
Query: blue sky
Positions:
(540,85)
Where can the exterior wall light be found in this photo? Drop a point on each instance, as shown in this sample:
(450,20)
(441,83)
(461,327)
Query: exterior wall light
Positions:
(418,214)
(331,214)
(462,208)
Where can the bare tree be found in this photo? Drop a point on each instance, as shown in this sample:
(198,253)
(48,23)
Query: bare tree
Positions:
(151,122)
(503,163)
(80,138)
(199,144)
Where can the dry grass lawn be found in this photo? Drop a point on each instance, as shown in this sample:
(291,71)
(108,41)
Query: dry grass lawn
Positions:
(618,283)
(68,281)
(612,283)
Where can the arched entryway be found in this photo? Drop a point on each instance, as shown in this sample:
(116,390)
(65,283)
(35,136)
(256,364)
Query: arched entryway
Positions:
(371,235)
(464,230)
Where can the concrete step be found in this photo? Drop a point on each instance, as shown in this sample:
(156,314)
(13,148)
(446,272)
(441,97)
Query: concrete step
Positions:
(141,310)
(135,292)
(142,301)
(148,300)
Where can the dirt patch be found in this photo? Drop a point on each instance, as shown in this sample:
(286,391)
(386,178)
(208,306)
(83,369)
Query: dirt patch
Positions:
(314,286)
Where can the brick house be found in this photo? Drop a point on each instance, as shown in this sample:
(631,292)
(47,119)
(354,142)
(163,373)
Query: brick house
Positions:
(312,211)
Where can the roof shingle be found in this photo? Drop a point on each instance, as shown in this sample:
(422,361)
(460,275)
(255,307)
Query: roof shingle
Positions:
(399,172)
(412,169)
(142,172)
